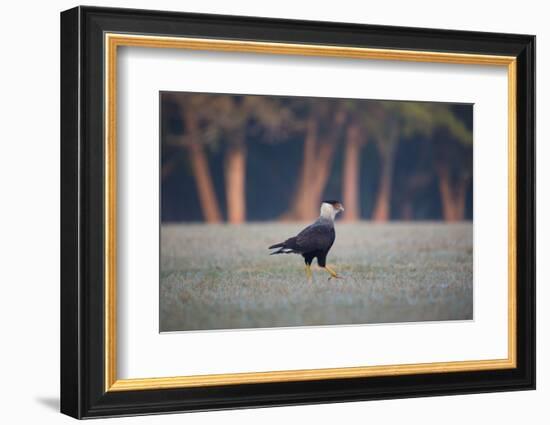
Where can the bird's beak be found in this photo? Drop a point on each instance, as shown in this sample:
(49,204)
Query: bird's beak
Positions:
(341,208)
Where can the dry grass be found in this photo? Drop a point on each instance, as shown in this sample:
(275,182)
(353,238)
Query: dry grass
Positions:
(221,276)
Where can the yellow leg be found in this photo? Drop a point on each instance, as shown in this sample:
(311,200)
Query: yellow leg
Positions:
(332,273)
(308,272)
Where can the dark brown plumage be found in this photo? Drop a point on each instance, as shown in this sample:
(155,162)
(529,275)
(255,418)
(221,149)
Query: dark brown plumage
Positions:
(315,240)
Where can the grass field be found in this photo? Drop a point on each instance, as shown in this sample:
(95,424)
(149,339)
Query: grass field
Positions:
(221,276)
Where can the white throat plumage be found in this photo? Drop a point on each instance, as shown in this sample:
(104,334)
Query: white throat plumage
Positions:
(328,211)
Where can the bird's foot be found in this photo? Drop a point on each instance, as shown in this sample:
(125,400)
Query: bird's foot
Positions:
(332,273)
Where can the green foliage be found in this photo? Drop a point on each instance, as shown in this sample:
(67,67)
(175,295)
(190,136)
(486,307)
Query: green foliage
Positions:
(388,121)
(229,118)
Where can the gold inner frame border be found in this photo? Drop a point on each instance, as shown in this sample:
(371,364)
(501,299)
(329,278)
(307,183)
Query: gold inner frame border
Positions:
(113,40)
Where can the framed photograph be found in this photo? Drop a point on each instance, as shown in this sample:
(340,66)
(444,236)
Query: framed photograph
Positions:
(261,212)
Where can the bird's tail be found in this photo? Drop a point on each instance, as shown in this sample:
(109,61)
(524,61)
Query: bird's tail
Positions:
(281,249)
(284,247)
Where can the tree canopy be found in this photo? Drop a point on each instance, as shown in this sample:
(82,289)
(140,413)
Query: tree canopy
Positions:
(246,157)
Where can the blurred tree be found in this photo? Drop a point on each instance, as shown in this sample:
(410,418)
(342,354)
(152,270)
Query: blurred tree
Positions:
(324,123)
(376,120)
(431,141)
(351,167)
(451,142)
(190,109)
(453,161)
(388,122)
(358,113)
(415,179)
(229,119)
(397,120)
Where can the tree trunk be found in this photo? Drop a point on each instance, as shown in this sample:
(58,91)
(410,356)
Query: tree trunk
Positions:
(452,202)
(319,179)
(201,173)
(235,178)
(350,179)
(461,200)
(381,210)
(302,197)
(316,165)
(445,192)
(205,187)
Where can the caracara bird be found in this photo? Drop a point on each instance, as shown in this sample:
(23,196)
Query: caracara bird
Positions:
(315,240)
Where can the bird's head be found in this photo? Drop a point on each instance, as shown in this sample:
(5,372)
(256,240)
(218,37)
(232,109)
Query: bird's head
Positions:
(330,209)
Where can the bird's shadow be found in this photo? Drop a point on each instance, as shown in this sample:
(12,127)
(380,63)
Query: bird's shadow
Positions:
(49,402)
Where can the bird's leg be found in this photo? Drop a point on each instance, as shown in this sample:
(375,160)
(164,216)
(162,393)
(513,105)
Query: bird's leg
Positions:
(332,273)
(308,272)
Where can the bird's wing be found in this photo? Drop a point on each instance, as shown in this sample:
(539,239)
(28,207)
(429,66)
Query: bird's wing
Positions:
(318,236)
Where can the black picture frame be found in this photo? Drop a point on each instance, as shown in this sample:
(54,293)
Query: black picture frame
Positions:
(83,392)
